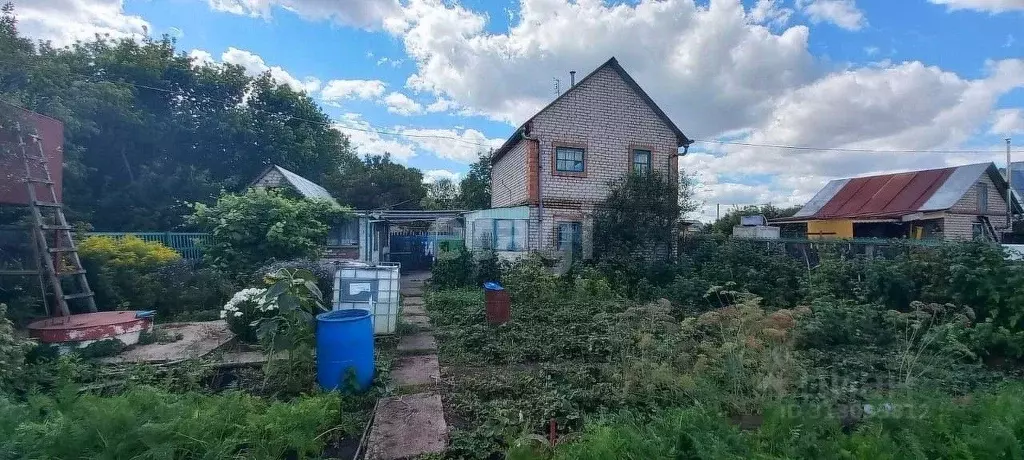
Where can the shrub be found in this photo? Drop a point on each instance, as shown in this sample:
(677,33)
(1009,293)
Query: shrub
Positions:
(190,291)
(123,272)
(453,269)
(244,310)
(12,351)
(259,226)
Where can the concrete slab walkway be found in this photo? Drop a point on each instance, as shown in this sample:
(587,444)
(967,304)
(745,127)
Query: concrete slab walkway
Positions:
(411,425)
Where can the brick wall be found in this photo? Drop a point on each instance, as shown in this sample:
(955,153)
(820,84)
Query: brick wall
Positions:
(509,178)
(606,117)
(958,223)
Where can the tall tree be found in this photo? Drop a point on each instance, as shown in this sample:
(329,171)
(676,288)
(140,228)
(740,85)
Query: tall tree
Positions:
(377,183)
(475,188)
(442,194)
(147,129)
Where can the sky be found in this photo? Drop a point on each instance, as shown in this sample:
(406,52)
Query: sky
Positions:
(901,85)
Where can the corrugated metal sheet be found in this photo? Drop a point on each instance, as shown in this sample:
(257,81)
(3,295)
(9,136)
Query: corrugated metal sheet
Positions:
(306,187)
(893,195)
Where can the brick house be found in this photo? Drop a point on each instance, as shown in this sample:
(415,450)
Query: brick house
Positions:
(551,172)
(954,204)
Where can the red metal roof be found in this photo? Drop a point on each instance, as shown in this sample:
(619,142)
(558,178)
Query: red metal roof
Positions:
(884,196)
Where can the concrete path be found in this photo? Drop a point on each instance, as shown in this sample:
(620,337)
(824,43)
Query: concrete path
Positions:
(411,425)
(197,340)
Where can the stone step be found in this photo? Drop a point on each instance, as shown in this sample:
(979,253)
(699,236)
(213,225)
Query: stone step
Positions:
(412,301)
(413,309)
(411,292)
(416,371)
(420,321)
(416,344)
(407,426)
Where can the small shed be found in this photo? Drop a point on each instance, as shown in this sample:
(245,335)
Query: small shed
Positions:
(344,236)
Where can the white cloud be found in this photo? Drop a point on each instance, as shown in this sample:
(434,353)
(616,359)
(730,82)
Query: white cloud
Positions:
(769,12)
(463,146)
(201,57)
(441,105)
(64,21)
(990,6)
(359,13)
(717,70)
(401,104)
(433,175)
(714,58)
(368,141)
(390,61)
(336,90)
(1007,122)
(843,13)
(254,65)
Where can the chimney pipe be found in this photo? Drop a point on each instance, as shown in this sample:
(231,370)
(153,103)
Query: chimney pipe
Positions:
(572,78)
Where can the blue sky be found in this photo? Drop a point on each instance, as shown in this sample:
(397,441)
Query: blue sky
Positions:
(920,75)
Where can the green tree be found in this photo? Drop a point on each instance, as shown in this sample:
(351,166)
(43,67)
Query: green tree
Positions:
(475,188)
(637,225)
(377,183)
(147,129)
(259,226)
(724,225)
(442,194)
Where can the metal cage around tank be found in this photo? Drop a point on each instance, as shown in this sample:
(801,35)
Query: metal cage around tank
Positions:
(372,287)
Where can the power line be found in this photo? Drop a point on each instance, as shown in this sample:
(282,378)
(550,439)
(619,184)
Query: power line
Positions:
(843,149)
(342,125)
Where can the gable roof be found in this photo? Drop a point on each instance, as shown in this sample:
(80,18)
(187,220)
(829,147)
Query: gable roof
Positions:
(305,187)
(613,64)
(891,196)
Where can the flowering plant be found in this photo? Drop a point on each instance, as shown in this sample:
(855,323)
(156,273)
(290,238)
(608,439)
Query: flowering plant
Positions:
(244,310)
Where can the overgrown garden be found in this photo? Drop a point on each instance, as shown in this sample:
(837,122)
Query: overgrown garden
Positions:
(738,349)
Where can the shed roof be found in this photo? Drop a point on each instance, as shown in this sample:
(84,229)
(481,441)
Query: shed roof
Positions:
(305,187)
(888,196)
(612,63)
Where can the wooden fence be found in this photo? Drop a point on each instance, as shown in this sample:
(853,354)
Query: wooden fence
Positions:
(188,244)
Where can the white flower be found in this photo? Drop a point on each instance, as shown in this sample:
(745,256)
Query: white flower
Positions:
(223,314)
(237,314)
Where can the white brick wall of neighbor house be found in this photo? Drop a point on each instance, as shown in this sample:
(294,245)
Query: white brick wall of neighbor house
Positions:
(959,222)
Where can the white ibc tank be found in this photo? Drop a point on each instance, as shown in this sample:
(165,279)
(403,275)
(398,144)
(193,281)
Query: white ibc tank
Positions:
(369,287)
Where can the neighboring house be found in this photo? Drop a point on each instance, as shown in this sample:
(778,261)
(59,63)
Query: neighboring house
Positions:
(958,203)
(548,176)
(343,237)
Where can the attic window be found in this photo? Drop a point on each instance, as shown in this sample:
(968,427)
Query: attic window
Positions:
(569,159)
(642,162)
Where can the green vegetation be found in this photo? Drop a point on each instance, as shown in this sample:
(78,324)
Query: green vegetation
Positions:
(260,226)
(738,350)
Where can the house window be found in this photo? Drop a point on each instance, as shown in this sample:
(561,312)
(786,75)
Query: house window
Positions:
(982,198)
(500,234)
(642,162)
(569,159)
(570,238)
(344,233)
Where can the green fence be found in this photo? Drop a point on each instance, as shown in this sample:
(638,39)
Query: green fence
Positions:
(185,243)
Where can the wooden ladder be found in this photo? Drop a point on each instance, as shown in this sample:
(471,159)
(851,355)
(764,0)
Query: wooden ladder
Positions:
(61,260)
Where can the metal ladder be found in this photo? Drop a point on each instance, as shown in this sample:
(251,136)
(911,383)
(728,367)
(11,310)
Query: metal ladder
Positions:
(63,253)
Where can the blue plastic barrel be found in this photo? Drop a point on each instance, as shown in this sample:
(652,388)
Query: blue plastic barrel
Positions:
(493,286)
(344,340)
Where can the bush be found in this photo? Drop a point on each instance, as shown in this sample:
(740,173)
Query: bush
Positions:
(190,291)
(123,272)
(12,351)
(244,310)
(259,226)
(453,269)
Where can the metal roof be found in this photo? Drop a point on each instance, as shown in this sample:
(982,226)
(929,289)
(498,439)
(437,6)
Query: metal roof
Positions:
(613,63)
(888,196)
(305,187)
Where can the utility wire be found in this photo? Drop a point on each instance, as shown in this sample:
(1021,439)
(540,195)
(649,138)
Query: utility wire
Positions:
(342,125)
